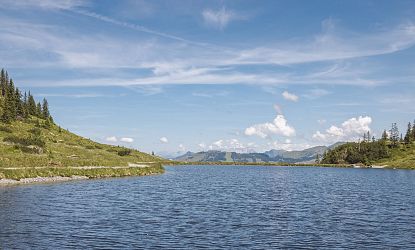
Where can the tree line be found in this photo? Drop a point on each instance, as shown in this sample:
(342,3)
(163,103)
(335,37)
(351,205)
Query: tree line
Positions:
(15,105)
(369,149)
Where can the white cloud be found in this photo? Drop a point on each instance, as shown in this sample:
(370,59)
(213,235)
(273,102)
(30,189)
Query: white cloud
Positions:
(321,121)
(182,148)
(350,130)
(233,145)
(289,96)
(179,61)
(127,139)
(218,18)
(278,127)
(202,145)
(316,93)
(164,140)
(287,145)
(44,4)
(111,139)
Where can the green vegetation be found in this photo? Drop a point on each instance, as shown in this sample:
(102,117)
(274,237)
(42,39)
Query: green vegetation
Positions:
(17,174)
(32,145)
(391,150)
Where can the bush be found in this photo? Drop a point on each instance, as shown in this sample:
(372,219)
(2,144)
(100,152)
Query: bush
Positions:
(5,129)
(124,152)
(30,149)
(36,141)
(35,131)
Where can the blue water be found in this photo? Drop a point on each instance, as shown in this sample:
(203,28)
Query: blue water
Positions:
(232,207)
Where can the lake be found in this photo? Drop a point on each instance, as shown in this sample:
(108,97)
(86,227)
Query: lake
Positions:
(232,207)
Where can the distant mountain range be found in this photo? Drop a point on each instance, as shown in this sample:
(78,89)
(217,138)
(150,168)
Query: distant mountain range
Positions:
(301,156)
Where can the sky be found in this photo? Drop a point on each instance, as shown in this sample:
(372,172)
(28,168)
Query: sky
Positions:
(244,76)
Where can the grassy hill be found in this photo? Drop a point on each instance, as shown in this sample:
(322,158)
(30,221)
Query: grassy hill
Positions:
(382,152)
(34,147)
(401,157)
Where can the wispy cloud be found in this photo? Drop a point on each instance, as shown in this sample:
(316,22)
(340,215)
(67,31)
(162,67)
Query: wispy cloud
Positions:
(220,18)
(179,61)
(289,96)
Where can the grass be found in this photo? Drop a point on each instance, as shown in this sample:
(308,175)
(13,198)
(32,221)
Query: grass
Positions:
(17,174)
(400,157)
(28,144)
(59,148)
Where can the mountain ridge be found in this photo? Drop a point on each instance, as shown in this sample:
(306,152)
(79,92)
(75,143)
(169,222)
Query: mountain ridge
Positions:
(296,156)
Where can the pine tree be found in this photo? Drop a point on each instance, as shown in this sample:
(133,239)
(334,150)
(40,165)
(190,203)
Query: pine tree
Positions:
(31,105)
(18,103)
(45,109)
(39,110)
(413,130)
(408,135)
(394,135)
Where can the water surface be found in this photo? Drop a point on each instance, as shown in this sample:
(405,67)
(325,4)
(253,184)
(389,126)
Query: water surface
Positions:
(216,207)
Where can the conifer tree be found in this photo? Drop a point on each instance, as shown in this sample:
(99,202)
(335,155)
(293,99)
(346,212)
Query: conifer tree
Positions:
(394,134)
(413,130)
(45,109)
(408,135)
(31,105)
(39,110)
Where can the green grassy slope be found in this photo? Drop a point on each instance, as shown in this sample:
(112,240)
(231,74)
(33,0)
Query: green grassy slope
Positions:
(401,157)
(30,148)
(62,148)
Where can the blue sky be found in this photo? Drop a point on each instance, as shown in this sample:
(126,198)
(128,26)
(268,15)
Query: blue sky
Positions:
(169,76)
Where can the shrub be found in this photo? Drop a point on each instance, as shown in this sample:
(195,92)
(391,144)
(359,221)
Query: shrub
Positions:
(35,131)
(124,152)
(36,141)
(5,129)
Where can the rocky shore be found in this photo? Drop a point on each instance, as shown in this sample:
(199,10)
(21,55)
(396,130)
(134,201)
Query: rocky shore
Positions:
(5,182)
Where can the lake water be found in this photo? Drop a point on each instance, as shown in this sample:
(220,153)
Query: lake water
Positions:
(232,207)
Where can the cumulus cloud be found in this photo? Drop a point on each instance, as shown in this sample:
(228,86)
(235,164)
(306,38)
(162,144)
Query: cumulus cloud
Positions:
(111,139)
(127,139)
(218,18)
(233,145)
(277,127)
(164,139)
(289,96)
(352,129)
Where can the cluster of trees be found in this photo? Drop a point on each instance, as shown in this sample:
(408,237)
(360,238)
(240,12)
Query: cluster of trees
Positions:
(15,105)
(395,138)
(369,149)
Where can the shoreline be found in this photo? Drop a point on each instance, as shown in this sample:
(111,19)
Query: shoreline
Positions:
(18,176)
(33,180)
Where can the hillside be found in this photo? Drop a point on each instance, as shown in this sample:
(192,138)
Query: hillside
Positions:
(386,152)
(34,148)
(301,156)
(32,145)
